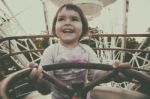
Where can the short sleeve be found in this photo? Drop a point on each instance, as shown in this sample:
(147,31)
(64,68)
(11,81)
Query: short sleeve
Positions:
(47,57)
(92,58)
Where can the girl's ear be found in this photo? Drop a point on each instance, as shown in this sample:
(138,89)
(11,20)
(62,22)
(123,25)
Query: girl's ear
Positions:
(55,34)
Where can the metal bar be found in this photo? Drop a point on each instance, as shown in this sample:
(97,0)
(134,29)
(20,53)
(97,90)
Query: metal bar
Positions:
(45,16)
(9,44)
(9,9)
(120,35)
(123,49)
(93,35)
(21,52)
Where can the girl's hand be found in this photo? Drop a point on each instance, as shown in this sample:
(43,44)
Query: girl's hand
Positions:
(36,78)
(117,64)
(36,67)
(36,73)
(121,77)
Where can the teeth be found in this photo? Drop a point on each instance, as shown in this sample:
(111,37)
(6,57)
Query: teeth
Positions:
(67,31)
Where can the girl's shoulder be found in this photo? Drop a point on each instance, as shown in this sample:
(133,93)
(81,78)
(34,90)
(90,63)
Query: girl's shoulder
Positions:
(51,47)
(85,46)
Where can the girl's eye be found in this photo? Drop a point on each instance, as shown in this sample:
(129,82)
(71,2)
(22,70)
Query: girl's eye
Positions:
(60,19)
(75,19)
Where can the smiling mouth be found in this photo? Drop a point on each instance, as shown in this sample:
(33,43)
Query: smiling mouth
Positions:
(68,31)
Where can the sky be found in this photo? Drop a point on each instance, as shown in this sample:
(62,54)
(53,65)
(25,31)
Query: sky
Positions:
(30,15)
(139,18)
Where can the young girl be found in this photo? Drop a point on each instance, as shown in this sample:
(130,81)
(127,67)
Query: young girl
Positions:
(69,25)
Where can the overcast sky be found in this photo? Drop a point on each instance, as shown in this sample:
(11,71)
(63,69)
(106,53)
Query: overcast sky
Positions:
(30,15)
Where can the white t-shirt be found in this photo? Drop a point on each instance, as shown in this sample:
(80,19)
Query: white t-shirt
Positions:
(57,53)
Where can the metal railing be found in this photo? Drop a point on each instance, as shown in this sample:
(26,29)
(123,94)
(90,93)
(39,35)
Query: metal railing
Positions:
(8,39)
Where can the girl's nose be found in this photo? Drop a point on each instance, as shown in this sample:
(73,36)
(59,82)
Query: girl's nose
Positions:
(67,22)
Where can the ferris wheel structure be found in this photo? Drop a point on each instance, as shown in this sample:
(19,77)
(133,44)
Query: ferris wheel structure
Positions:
(12,46)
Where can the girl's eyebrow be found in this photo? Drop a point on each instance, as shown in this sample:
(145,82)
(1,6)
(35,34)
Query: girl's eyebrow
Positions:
(72,16)
(60,15)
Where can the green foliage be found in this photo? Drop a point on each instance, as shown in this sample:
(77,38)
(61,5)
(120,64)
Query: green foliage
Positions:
(44,42)
(131,43)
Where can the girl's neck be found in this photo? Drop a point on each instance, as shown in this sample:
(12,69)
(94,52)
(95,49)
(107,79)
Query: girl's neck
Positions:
(69,44)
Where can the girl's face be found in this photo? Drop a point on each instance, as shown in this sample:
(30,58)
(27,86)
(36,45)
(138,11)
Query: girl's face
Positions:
(68,26)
